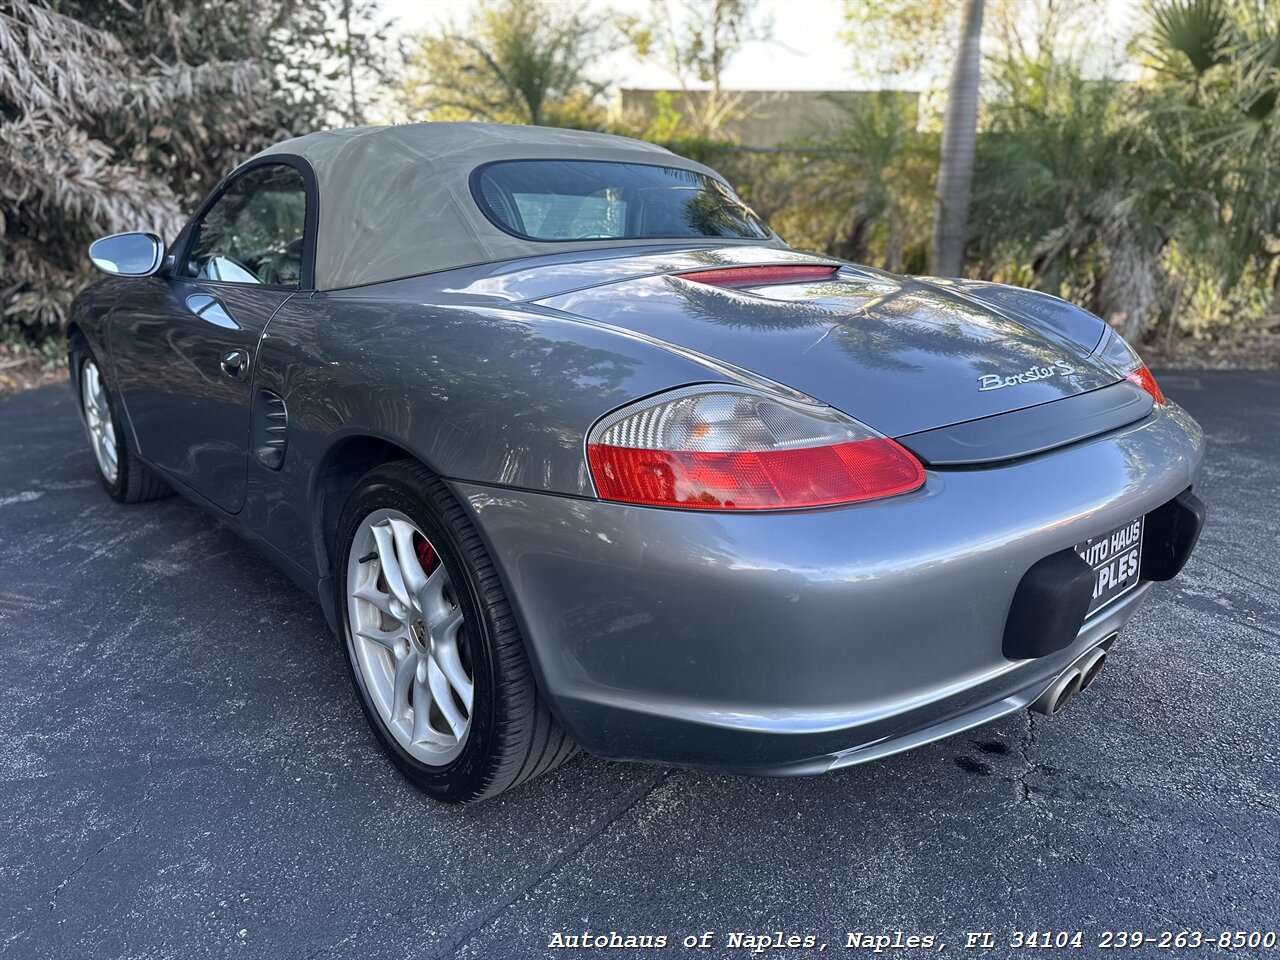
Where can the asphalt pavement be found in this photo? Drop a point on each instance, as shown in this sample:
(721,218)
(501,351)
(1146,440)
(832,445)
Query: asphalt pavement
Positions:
(185,772)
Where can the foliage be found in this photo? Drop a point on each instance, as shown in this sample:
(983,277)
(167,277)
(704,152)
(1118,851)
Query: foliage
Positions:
(1145,200)
(1155,201)
(1213,107)
(695,44)
(118,116)
(921,37)
(863,192)
(1069,194)
(900,37)
(513,61)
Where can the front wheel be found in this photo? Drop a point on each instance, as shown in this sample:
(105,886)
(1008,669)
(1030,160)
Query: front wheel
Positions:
(433,648)
(124,476)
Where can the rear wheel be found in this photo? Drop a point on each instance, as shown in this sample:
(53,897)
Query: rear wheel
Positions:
(433,648)
(123,475)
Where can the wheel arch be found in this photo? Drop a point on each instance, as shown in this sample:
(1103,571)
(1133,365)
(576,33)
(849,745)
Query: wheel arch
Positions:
(85,335)
(76,341)
(337,474)
(81,345)
(335,477)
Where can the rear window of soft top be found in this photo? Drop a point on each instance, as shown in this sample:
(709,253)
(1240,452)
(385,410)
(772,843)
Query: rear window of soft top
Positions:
(566,200)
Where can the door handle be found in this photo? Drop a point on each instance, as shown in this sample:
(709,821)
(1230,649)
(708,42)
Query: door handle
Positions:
(235,364)
(208,308)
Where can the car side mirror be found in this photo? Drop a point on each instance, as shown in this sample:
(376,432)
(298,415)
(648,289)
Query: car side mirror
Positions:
(128,254)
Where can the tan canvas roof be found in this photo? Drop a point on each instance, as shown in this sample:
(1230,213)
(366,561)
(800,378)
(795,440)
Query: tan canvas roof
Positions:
(396,201)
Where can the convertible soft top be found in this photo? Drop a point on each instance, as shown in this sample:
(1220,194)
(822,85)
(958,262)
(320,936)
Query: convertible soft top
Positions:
(395,201)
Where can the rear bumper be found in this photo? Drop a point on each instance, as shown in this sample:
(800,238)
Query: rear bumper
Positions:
(794,642)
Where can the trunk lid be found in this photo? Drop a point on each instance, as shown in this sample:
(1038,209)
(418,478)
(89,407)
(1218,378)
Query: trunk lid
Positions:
(900,354)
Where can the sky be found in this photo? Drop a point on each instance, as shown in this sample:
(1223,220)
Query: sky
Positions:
(806,52)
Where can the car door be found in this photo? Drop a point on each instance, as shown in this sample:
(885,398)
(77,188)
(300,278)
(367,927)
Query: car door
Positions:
(185,348)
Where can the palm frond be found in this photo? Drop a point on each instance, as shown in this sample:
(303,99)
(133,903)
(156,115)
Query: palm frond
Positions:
(1189,33)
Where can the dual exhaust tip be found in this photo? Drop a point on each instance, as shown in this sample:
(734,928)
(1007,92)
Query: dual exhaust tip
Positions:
(1077,677)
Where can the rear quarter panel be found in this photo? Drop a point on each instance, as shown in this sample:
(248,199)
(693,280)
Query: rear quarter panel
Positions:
(1035,309)
(487,395)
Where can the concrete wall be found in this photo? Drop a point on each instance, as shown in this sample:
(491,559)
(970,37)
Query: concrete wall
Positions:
(761,118)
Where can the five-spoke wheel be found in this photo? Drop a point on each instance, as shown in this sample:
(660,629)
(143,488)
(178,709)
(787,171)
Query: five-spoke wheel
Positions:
(409,637)
(126,478)
(98,422)
(432,643)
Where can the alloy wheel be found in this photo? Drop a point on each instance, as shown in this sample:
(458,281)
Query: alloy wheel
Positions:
(98,422)
(408,637)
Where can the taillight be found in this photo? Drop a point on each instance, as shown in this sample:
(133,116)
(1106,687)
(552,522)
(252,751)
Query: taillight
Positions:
(1144,378)
(719,447)
(1116,351)
(753,276)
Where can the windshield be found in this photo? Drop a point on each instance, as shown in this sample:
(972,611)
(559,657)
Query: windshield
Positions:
(604,200)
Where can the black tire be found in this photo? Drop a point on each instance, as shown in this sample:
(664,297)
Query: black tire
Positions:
(134,482)
(513,737)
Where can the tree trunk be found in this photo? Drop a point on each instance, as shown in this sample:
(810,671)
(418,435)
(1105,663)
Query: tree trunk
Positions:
(1128,289)
(852,246)
(893,253)
(1174,312)
(959,139)
(354,117)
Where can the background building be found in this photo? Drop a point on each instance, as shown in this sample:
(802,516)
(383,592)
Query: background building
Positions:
(756,118)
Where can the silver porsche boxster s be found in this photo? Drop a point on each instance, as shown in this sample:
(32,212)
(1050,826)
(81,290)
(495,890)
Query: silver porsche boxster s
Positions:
(574,451)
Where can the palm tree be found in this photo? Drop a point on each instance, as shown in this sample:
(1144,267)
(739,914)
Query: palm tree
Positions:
(517,61)
(959,140)
(1222,59)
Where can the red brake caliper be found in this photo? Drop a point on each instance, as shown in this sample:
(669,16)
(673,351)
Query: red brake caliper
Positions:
(426,554)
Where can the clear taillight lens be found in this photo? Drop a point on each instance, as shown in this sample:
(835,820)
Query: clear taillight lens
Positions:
(1117,352)
(719,447)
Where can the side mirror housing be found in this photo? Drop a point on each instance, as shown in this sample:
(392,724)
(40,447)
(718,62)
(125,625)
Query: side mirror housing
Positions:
(128,254)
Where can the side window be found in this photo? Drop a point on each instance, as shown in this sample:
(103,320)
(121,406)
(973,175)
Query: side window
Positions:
(253,233)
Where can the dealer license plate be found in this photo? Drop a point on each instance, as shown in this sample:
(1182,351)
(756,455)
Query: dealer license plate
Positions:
(1115,557)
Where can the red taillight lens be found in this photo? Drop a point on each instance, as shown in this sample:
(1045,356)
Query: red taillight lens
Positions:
(756,480)
(723,447)
(1143,378)
(1116,351)
(753,276)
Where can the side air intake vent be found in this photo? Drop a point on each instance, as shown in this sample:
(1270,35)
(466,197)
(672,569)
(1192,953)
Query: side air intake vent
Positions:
(270,430)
